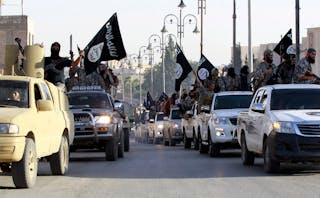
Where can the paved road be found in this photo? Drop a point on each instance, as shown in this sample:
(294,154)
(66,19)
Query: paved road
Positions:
(158,171)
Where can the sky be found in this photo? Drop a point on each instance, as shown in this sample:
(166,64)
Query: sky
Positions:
(139,19)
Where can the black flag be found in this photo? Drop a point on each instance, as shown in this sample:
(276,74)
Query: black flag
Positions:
(163,97)
(149,102)
(285,47)
(183,68)
(106,45)
(204,69)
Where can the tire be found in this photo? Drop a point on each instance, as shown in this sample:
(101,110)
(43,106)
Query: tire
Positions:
(59,162)
(195,142)
(246,156)
(24,172)
(270,165)
(126,140)
(172,142)
(187,142)
(121,146)
(111,150)
(214,149)
(203,149)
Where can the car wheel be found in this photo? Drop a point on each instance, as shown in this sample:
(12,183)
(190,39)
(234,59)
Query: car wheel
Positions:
(187,142)
(111,150)
(126,140)
(202,148)
(246,156)
(195,142)
(121,146)
(214,149)
(24,172)
(59,162)
(270,165)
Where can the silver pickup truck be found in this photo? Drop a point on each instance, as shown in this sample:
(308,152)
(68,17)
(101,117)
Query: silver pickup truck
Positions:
(282,125)
(97,123)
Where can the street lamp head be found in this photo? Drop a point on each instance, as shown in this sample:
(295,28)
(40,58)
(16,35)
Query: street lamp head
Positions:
(196,30)
(181,5)
(164,30)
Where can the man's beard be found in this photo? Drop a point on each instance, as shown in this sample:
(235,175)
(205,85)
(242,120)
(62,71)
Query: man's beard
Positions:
(311,60)
(269,60)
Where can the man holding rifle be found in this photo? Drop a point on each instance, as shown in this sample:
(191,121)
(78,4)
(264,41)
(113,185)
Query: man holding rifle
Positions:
(303,70)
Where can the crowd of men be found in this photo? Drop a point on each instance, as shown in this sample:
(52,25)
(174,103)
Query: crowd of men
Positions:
(266,73)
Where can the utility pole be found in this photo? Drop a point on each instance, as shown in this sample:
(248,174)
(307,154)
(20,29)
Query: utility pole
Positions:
(234,16)
(297,30)
(201,8)
(250,61)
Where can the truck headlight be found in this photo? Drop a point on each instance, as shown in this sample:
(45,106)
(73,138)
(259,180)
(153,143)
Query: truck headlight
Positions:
(9,129)
(221,120)
(283,127)
(103,120)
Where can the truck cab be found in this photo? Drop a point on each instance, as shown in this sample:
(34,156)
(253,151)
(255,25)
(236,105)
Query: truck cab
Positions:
(282,125)
(172,130)
(35,125)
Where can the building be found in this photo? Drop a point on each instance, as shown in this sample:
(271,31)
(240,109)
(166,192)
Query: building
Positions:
(12,27)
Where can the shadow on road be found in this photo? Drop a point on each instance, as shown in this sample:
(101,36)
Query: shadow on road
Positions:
(157,161)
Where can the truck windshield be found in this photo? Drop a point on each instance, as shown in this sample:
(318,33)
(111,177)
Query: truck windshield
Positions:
(92,100)
(282,99)
(160,117)
(175,114)
(14,93)
(232,102)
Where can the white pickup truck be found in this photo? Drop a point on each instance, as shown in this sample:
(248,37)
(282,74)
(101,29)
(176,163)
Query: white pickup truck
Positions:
(223,120)
(282,125)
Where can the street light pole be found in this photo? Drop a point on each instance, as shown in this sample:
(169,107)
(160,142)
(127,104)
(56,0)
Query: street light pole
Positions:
(181,22)
(140,67)
(163,31)
(201,7)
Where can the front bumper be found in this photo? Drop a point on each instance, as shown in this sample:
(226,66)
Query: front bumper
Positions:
(11,148)
(293,147)
(223,134)
(88,135)
(176,134)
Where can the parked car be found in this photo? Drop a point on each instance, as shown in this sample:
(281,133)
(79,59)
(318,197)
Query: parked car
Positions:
(282,125)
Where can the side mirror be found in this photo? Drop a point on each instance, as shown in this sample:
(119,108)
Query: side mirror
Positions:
(189,113)
(44,105)
(205,108)
(151,121)
(258,107)
(118,106)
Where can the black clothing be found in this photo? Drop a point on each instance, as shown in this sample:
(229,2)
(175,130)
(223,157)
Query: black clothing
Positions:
(54,69)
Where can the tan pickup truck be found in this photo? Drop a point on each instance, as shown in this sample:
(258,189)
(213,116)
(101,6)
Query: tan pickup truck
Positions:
(35,123)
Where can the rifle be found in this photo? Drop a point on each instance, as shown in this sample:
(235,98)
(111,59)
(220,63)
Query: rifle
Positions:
(21,49)
(71,52)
